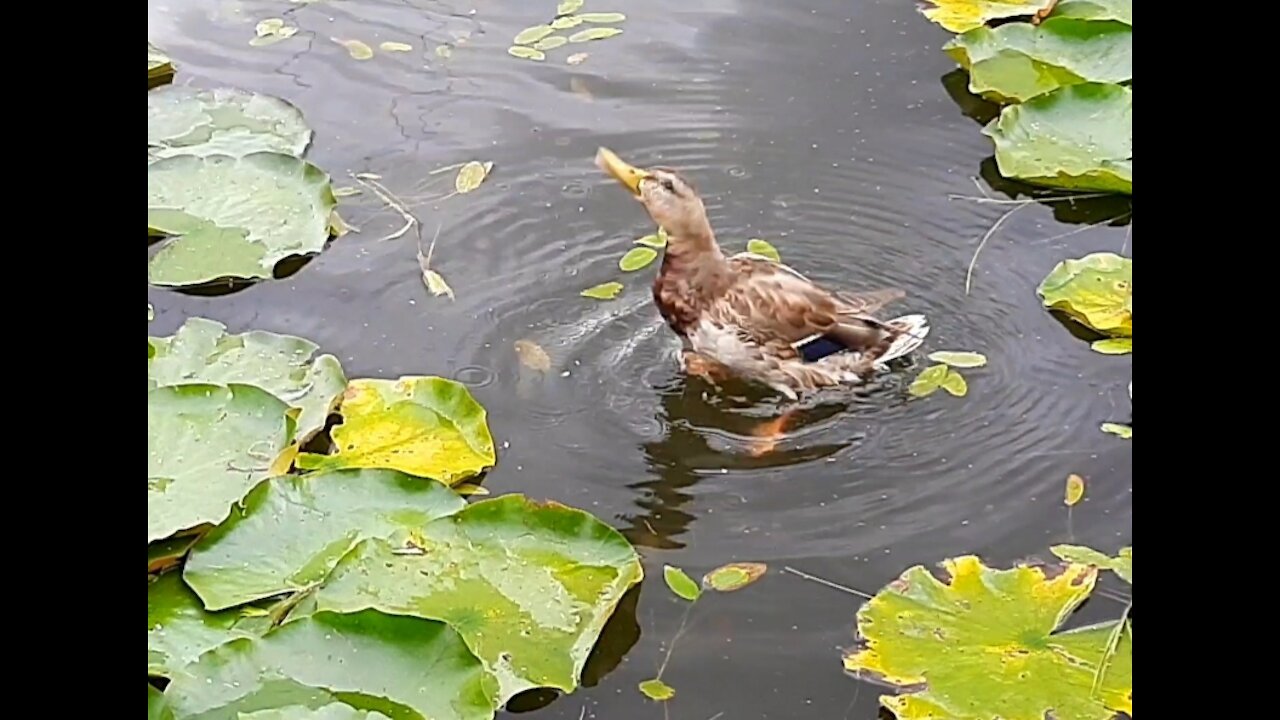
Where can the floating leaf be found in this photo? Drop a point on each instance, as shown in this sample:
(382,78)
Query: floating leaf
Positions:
(1113,346)
(293,530)
(606,17)
(1124,431)
(1078,137)
(958,358)
(436,284)
(983,645)
(1121,10)
(444,51)
(355,48)
(235,217)
(224,121)
(270,26)
(603,291)
(470,176)
(526,53)
(1096,290)
(567,7)
(207,446)
(159,66)
(734,576)
(1075,489)
(680,583)
(653,241)
(179,630)
(928,381)
(201,351)
(531,35)
(564,23)
(332,711)
(964,15)
(550,43)
(657,690)
(1019,61)
(577,58)
(637,258)
(532,355)
(376,662)
(763,249)
(955,384)
(1121,565)
(424,426)
(594,34)
(157,705)
(528,585)
(341,192)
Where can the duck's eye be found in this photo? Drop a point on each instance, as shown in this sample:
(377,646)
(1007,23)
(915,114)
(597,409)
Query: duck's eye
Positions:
(670,186)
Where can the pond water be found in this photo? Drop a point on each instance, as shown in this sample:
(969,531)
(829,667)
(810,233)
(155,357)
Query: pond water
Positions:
(835,129)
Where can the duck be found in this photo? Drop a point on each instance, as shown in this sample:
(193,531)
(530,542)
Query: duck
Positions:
(753,318)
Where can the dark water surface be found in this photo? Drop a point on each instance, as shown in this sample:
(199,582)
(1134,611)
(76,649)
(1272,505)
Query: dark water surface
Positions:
(825,126)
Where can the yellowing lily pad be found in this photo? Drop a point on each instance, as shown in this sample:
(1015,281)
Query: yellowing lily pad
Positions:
(1075,489)
(763,249)
(594,34)
(1121,564)
(603,291)
(657,690)
(983,645)
(637,259)
(734,576)
(964,15)
(1096,290)
(357,49)
(955,384)
(1113,346)
(471,175)
(527,585)
(424,426)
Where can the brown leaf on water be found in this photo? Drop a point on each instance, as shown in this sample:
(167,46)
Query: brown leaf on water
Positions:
(532,355)
(1075,489)
(734,576)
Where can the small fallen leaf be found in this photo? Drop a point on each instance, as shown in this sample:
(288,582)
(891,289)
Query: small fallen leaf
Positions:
(577,58)
(654,241)
(433,280)
(764,249)
(928,381)
(564,23)
(444,51)
(356,49)
(956,358)
(341,192)
(594,34)
(567,7)
(637,258)
(1113,346)
(470,176)
(955,384)
(526,53)
(1124,431)
(531,35)
(532,355)
(550,43)
(680,583)
(1075,489)
(603,291)
(389,46)
(267,27)
(609,17)
(734,576)
(657,690)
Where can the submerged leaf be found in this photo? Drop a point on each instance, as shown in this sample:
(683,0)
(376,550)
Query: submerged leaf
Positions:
(734,576)
(603,291)
(1075,489)
(928,381)
(763,249)
(526,53)
(184,120)
(655,689)
(355,48)
(531,35)
(594,34)
(1121,565)
(1113,346)
(568,6)
(963,15)
(550,43)
(532,355)
(470,176)
(955,384)
(1124,431)
(960,359)
(637,259)
(390,46)
(605,17)
(1095,290)
(680,583)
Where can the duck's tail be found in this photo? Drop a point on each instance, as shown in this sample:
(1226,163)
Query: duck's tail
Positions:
(912,330)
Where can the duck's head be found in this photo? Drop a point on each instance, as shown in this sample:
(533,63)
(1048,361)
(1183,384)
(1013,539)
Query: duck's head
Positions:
(670,199)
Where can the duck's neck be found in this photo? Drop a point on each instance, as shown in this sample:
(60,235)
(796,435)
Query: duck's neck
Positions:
(691,252)
(694,273)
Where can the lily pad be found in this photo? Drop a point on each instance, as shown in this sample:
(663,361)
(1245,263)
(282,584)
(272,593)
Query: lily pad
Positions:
(657,690)
(603,291)
(526,53)
(984,645)
(763,249)
(201,351)
(964,15)
(157,705)
(159,66)
(471,175)
(1078,137)
(928,381)
(1095,290)
(424,426)
(1113,346)
(391,46)
(234,217)
(605,17)
(1121,564)
(357,49)
(1124,432)
(637,259)
(531,35)
(567,7)
(1018,61)
(1075,490)
(657,240)
(293,530)
(550,43)
(734,576)
(208,445)
(594,34)
(1121,10)
(955,384)
(566,22)
(179,630)
(528,585)
(374,661)
(680,583)
(959,358)
(332,711)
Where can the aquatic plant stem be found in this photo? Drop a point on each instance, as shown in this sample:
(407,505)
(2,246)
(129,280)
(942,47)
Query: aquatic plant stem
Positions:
(828,583)
(385,196)
(1113,642)
(684,619)
(968,276)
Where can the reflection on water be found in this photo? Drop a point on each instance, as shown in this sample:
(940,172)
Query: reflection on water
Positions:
(820,126)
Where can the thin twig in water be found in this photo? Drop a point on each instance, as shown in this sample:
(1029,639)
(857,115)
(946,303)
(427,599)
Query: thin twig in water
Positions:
(1127,233)
(672,646)
(385,195)
(968,276)
(1090,226)
(828,583)
(1113,642)
(1027,201)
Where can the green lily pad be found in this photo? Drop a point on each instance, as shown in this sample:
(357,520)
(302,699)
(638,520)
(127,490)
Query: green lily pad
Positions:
(657,240)
(528,585)
(159,66)
(425,426)
(531,35)
(1121,564)
(1113,346)
(565,22)
(526,53)
(604,17)
(550,43)
(1018,61)
(332,711)
(1078,137)
(657,690)
(179,630)
(955,384)
(223,121)
(594,34)
(1095,290)
(680,583)
(603,291)
(964,15)
(983,645)
(637,258)
(567,7)
(763,249)
(734,576)
(157,705)
(928,381)
(293,530)
(1121,10)
(207,446)
(234,217)
(370,660)
(1124,432)
(959,358)
(201,351)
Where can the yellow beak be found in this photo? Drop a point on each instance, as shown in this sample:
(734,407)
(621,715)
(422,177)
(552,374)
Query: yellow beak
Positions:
(625,173)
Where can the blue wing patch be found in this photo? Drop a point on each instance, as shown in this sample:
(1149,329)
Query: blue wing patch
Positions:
(819,348)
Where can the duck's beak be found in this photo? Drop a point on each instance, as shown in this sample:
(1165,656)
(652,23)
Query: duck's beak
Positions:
(625,173)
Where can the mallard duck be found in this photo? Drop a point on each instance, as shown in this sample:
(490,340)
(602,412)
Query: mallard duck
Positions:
(753,318)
